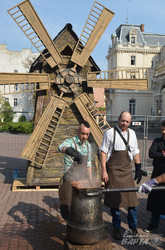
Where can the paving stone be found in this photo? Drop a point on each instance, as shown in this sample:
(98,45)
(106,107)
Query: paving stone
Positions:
(31,220)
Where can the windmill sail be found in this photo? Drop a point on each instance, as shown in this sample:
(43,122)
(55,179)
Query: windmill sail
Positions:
(13,83)
(38,146)
(95,26)
(132,79)
(29,22)
(91,114)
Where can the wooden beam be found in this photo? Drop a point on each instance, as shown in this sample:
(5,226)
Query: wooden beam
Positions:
(129,84)
(13,83)
(6,78)
(129,78)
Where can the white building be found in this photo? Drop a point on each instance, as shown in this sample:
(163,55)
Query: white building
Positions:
(159,83)
(18,62)
(133,48)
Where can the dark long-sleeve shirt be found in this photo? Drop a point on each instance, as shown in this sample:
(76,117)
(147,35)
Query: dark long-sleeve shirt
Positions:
(156,199)
(155,152)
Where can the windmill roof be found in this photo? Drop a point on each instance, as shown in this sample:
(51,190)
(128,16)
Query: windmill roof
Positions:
(68,27)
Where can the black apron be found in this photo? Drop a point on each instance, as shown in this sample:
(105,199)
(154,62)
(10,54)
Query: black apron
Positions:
(119,170)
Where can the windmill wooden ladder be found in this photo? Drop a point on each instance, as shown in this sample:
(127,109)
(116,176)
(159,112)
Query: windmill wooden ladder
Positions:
(90,113)
(97,21)
(29,22)
(38,145)
(13,83)
(131,79)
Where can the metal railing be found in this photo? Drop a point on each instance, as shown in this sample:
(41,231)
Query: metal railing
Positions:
(147,128)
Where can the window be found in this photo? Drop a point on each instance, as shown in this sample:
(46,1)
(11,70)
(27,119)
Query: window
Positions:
(152,64)
(7,99)
(133,39)
(15,101)
(111,66)
(133,60)
(132,106)
(15,70)
(133,36)
(16,87)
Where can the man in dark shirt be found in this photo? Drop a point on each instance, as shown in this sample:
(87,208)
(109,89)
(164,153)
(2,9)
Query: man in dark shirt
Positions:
(156,200)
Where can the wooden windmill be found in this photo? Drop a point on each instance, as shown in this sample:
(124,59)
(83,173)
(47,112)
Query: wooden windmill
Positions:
(64,87)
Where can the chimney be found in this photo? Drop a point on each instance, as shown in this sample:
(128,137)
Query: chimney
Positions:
(142,27)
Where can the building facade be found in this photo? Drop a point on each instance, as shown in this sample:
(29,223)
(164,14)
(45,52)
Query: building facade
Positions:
(134,48)
(159,84)
(18,62)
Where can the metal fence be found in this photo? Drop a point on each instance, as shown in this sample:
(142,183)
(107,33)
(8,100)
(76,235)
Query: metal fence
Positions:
(147,128)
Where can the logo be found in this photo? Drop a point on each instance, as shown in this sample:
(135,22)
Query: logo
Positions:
(141,239)
(156,239)
(131,240)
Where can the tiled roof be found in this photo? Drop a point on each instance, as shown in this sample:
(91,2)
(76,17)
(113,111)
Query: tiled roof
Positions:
(154,39)
(123,31)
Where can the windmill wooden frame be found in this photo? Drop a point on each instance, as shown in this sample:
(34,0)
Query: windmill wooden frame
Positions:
(68,80)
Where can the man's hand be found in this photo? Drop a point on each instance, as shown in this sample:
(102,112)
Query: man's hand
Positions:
(138,172)
(73,152)
(163,152)
(104,176)
(146,187)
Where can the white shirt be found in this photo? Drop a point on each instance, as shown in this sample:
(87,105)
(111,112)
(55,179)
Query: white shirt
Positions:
(107,143)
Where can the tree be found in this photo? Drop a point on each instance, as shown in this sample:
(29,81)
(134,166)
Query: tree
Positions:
(6,112)
(27,62)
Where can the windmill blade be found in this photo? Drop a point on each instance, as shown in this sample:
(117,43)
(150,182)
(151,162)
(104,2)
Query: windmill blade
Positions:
(29,22)
(37,148)
(132,79)
(95,26)
(13,83)
(91,114)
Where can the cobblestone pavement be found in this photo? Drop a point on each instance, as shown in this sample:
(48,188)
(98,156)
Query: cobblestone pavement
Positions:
(31,220)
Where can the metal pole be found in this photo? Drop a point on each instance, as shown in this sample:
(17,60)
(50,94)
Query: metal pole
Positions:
(122,190)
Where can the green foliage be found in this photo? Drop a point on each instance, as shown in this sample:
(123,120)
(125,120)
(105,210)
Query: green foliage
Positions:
(22,118)
(4,127)
(19,127)
(101,108)
(6,114)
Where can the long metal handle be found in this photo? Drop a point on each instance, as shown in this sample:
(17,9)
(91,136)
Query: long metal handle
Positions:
(135,189)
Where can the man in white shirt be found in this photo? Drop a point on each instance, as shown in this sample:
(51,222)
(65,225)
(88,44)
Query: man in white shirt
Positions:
(116,156)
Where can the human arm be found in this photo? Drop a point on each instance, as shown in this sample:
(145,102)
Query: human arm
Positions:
(89,171)
(75,154)
(138,172)
(67,148)
(89,161)
(160,179)
(62,149)
(136,156)
(104,174)
(105,152)
(156,151)
(146,187)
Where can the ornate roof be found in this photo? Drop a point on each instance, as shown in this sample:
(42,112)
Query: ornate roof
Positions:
(150,39)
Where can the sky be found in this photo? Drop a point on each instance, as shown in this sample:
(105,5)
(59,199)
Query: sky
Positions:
(55,14)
